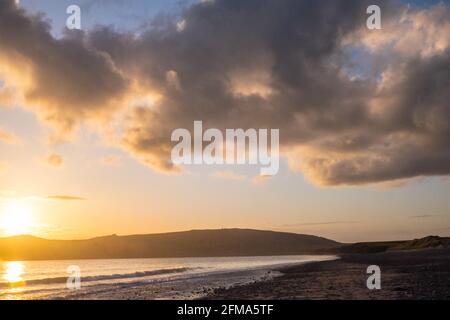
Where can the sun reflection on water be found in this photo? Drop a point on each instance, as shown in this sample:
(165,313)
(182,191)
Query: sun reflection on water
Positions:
(14,271)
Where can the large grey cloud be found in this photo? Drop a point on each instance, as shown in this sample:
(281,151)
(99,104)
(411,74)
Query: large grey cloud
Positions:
(263,63)
(65,80)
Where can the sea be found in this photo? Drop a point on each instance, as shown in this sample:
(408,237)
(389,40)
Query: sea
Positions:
(168,278)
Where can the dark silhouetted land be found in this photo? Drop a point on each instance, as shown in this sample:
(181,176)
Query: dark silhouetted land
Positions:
(197,243)
(434,242)
(405,275)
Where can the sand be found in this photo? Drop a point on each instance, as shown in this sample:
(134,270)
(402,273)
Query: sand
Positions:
(405,275)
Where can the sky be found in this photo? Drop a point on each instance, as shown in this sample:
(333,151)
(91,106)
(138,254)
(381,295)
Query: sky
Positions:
(86,117)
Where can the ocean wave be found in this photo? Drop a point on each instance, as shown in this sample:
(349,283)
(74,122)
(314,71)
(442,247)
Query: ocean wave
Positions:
(138,274)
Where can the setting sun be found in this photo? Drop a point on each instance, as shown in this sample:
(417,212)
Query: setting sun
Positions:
(16,219)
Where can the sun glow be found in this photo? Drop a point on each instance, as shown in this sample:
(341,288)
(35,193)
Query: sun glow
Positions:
(14,272)
(16,219)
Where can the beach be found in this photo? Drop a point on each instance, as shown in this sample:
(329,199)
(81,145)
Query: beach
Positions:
(142,279)
(405,275)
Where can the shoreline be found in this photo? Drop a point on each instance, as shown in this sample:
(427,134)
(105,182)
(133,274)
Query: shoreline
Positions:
(405,275)
(196,282)
(200,286)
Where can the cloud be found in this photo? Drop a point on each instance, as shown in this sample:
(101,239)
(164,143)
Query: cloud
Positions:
(65,81)
(7,97)
(317,224)
(54,160)
(260,179)
(411,33)
(65,198)
(426,216)
(7,194)
(286,64)
(406,137)
(8,137)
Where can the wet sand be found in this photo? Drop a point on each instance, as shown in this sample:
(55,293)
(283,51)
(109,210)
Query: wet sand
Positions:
(405,275)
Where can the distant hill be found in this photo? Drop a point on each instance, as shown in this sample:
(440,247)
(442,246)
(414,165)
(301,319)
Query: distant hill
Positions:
(196,243)
(430,242)
(424,243)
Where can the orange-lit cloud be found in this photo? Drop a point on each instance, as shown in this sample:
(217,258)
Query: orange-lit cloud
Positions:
(65,81)
(8,137)
(278,67)
(54,160)
(65,198)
